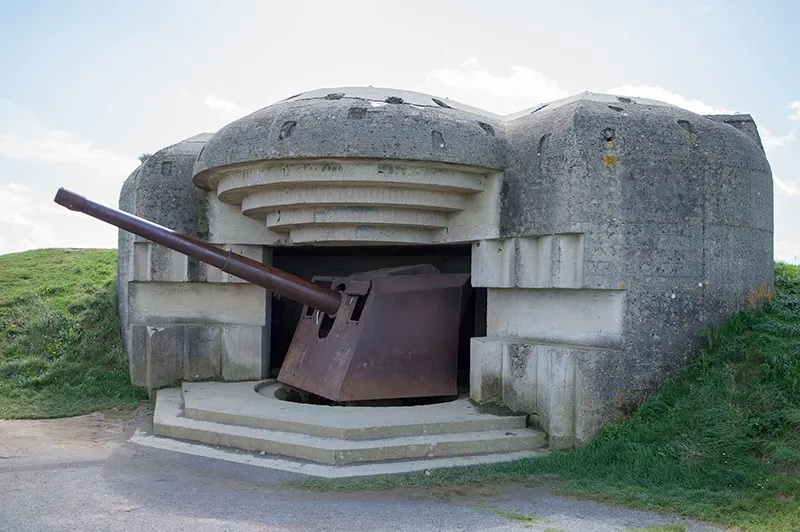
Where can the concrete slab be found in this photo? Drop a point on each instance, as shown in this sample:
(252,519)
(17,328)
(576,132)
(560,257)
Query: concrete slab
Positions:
(240,404)
(169,421)
(322,470)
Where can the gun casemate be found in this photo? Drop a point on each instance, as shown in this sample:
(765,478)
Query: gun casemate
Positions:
(383,334)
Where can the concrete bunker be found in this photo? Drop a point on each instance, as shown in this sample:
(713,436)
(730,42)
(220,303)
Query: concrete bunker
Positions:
(602,234)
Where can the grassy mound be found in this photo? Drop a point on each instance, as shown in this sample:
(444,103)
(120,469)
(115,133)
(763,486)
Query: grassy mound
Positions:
(721,442)
(60,346)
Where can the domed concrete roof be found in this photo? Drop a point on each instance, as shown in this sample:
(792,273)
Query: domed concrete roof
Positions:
(296,162)
(366,123)
(151,189)
(614,159)
(648,127)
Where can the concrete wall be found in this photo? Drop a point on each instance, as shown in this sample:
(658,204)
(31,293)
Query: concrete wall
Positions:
(672,213)
(125,240)
(183,319)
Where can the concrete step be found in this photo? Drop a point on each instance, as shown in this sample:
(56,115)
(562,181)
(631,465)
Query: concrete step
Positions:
(305,467)
(169,421)
(240,404)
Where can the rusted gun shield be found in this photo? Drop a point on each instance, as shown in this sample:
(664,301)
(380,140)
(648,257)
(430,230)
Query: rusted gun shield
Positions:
(395,335)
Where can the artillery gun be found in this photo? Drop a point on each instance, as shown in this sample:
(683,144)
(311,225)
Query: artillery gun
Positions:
(382,334)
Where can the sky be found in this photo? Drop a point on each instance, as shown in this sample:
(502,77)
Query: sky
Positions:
(88,86)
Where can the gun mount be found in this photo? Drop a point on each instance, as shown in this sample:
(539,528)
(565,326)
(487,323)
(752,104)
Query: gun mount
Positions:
(384,334)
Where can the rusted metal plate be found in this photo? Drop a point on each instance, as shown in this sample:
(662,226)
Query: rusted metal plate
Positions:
(400,340)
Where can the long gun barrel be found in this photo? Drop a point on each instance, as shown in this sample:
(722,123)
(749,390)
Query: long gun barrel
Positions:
(280,282)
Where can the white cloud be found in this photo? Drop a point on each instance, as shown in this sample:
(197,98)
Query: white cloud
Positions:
(24,137)
(14,205)
(55,146)
(13,187)
(795,108)
(23,230)
(787,251)
(44,236)
(219,104)
(789,188)
(772,141)
(521,87)
(663,95)
(520,82)
(35,159)
(8,216)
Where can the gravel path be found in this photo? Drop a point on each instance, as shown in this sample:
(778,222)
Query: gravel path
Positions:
(83,474)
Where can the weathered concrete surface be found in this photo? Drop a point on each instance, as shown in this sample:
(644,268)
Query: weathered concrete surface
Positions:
(174,309)
(294,465)
(676,211)
(164,353)
(356,200)
(168,421)
(126,267)
(159,190)
(240,404)
(202,352)
(236,415)
(549,261)
(206,303)
(743,123)
(567,387)
(242,347)
(361,165)
(356,123)
(584,317)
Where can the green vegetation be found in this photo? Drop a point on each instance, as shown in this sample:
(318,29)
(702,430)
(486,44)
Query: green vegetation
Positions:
(666,528)
(522,519)
(721,442)
(60,345)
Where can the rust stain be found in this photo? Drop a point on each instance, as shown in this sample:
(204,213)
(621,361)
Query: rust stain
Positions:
(611,160)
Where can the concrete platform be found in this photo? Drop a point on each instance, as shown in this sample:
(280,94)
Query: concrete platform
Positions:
(238,403)
(235,415)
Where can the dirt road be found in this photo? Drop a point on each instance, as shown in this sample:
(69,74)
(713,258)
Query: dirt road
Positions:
(83,474)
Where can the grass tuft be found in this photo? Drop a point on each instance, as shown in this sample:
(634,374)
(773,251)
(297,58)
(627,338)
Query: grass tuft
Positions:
(524,520)
(60,345)
(721,442)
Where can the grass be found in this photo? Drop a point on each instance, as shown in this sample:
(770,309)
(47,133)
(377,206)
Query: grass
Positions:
(665,528)
(60,346)
(522,519)
(720,443)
